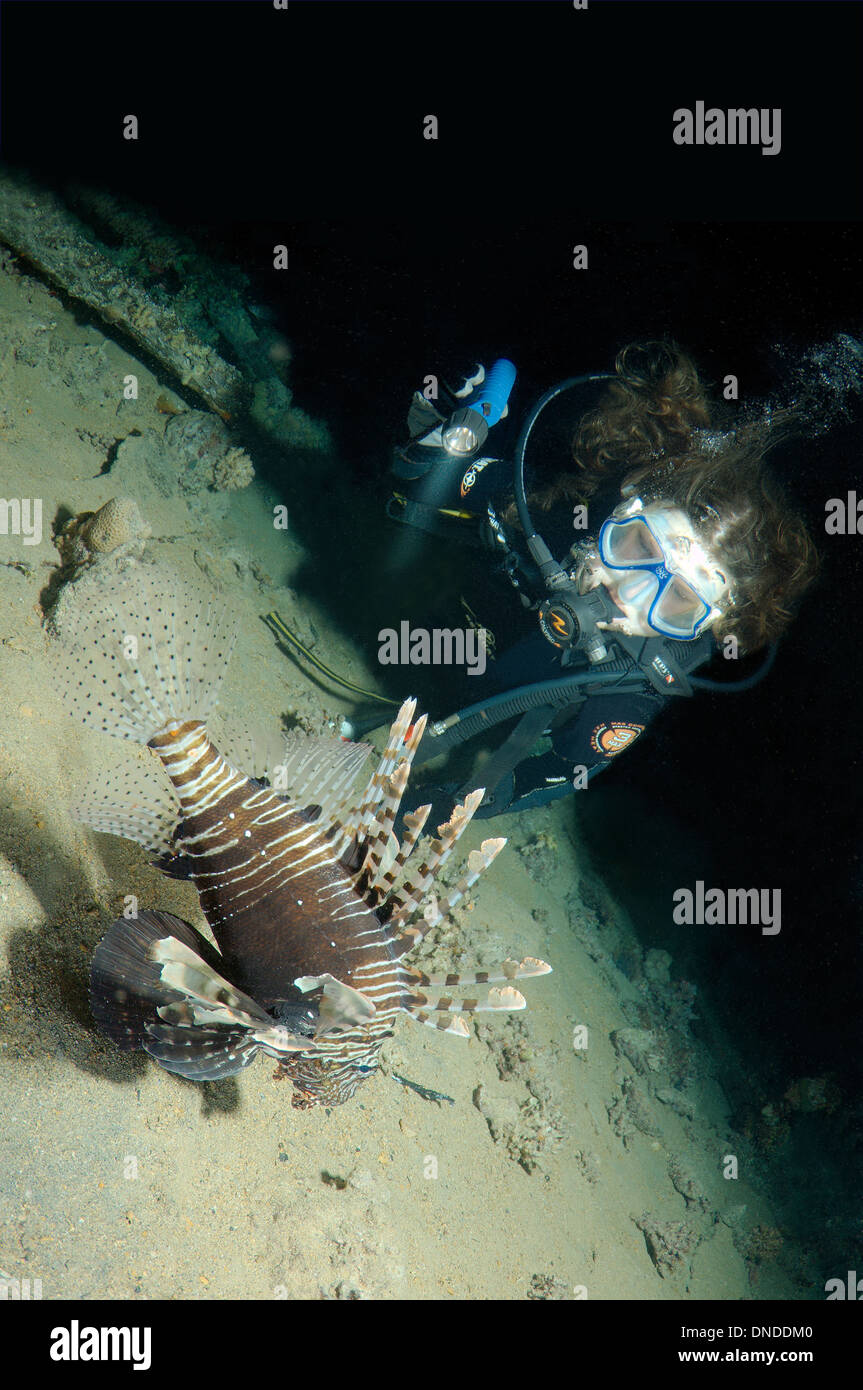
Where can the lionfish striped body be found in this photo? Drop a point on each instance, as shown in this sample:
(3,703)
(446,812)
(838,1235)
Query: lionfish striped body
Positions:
(312,902)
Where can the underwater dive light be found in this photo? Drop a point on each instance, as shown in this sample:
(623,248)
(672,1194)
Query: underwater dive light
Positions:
(467,428)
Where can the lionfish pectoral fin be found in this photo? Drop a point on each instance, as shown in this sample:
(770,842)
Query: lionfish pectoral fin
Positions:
(183,642)
(134,801)
(154,985)
(341,1006)
(255,745)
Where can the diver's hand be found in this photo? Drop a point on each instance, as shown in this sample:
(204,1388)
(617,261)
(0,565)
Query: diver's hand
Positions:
(622,625)
(588,572)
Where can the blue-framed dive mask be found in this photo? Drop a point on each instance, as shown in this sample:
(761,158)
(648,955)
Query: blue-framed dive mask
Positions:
(650,549)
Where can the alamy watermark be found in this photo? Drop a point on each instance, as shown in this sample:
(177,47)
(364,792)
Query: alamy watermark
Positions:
(438,646)
(710,125)
(77,1343)
(19,1290)
(731,907)
(21,516)
(844,515)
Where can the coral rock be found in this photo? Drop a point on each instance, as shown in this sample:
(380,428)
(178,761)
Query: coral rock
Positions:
(540,856)
(670,1244)
(657,967)
(686,1183)
(641,1047)
(812,1093)
(197,438)
(232,472)
(117,523)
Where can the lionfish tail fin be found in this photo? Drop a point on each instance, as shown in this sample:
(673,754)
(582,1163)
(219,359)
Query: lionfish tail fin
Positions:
(143,650)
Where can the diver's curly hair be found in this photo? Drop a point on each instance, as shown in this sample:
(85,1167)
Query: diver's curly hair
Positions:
(651,433)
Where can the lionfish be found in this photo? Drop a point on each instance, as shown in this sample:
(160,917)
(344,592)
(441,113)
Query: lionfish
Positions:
(312,901)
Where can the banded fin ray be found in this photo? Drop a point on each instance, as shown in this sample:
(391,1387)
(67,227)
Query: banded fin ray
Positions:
(357,825)
(442,1023)
(414,823)
(504,973)
(409,898)
(434,910)
(430,994)
(443,1001)
(382,850)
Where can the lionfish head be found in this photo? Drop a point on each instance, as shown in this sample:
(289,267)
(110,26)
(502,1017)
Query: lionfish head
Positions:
(324,1081)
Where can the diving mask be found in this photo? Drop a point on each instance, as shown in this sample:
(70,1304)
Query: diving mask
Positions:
(658,570)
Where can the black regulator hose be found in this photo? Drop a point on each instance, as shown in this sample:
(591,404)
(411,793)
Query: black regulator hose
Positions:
(746,683)
(444,734)
(536,545)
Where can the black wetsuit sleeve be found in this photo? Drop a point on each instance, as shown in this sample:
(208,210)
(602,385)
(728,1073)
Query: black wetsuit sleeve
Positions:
(604,727)
(460,485)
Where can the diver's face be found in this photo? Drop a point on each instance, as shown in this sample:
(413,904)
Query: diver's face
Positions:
(680,606)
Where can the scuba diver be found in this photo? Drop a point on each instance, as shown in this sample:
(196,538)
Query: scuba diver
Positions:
(684,549)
